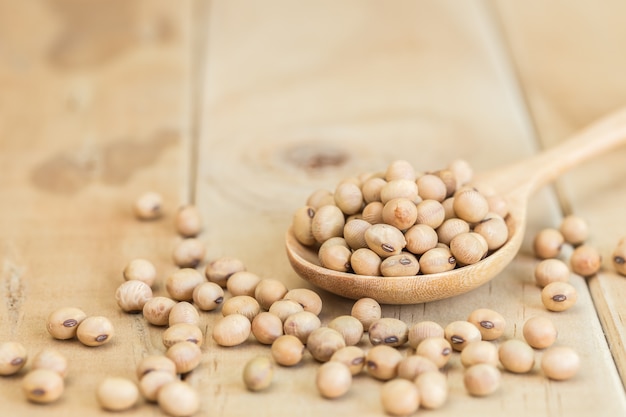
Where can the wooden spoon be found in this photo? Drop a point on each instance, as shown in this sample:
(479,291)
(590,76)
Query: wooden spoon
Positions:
(516,183)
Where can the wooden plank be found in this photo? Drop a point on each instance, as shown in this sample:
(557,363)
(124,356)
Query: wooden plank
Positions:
(572,72)
(301,95)
(92,114)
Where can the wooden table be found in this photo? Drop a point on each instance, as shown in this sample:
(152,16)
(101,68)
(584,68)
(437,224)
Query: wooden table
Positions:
(247,107)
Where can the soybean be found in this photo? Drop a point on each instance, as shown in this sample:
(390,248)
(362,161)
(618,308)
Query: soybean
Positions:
(559,296)
(287,350)
(269,290)
(551,270)
(539,332)
(284,308)
(366,310)
(157,310)
(178,399)
(185,355)
(389,331)
(242,283)
(433,389)
(560,363)
(308,299)
(13,357)
(574,229)
(301,325)
(351,356)
(63,322)
(49,358)
(423,330)
(479,351)
(349,327)
(460,333)
(182,332)
(413,365)
(181,283)
(132,295)
(141,270)
(208,296)
(482,379)
(151,383)
(184,312)
(232,330)
(154,363)
(188,221)
(400,397)
(333,379)
(548,243)
(95,331)
(241,304)
(266,327)
(189,252)
(43,386)
(516,356)
(221,269)
(258,373)
(585,260)
(365,261)
(437,349)
(490,323)
(323,342)
(301,225)
(382,361)
(117,394)
(148,206)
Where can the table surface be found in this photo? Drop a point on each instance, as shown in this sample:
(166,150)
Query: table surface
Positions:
(244,108)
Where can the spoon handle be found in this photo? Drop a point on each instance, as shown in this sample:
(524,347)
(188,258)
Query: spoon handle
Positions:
(530,174)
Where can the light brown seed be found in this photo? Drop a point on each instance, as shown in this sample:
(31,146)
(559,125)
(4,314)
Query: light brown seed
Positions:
(400,213)
(181,283)
(241,304)
(423,330)
(480,351)
(366,310)
(354,233)
(548,243)
(178,399)
(267,327)
(400,169)
(459,333)
(186,356)
(232,330)
(349,327)
(403,264)
(431,213)
(323,342)
(433,389)
(365,261)
(437,260)
(420,238)
(287,350)
(189,252)
(188,221)
(618,257)
(182,332)
(551,270)
(184,312)
(516,356)
(539,332)
(13,357)
(431,187)
(351,356)
(208,296)
(151,383)
(117,393)
(320,197)
(490,323)
(307,298)
(258,373)
(560,363)
(327,222)
(242,283)
(148,206)
(574,229)
(132,295)
(333,379)
(450,228)
(348,197)
(285,308)
(385,240)
(468,248)
(50,358)
(413,365)
(399,397)
(585,260)
(437,349)
(470,205)
(399,188)
(381,362)
(43,386)
(269,290)
(559,296)
(301,325)
(482,379)
(141,270)
(221,269)
(388,331)
(301,225)
(95,331)
(63,322)
(373,212)
(494,230)
(156,310)
(335,257)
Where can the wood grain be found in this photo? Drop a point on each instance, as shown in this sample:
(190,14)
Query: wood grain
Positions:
(97,107)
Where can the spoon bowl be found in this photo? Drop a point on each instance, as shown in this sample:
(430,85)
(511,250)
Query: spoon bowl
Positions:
(515,183)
